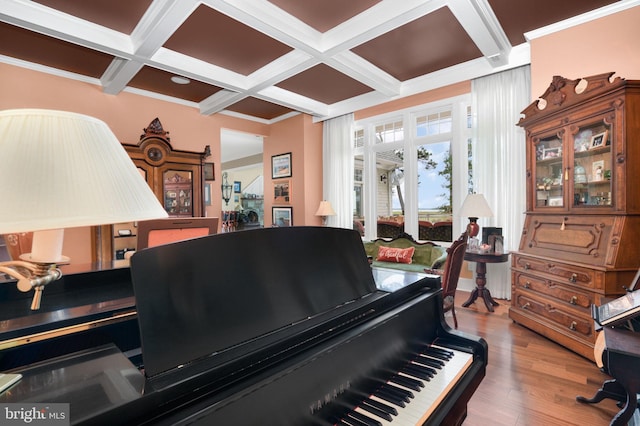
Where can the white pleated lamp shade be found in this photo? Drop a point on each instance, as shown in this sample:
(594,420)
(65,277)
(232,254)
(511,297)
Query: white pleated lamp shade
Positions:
(475,205)
(62,169)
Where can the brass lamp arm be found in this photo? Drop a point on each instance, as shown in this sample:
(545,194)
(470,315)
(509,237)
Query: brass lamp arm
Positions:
(37,276)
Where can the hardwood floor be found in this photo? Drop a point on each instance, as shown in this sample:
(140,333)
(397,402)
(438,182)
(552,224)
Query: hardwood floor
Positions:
(530,380)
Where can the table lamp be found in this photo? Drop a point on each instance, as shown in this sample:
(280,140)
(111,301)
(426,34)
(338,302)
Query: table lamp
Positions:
(325,210)
(62,170)
(473,207)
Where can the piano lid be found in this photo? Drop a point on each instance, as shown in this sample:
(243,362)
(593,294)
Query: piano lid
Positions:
(203,296)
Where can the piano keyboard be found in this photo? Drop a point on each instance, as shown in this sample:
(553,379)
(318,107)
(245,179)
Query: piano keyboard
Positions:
(413,393)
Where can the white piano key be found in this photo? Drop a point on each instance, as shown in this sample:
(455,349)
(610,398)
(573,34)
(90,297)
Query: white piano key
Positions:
(424,403)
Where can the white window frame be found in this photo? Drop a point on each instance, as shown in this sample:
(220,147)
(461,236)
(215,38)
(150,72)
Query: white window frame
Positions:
(459,136)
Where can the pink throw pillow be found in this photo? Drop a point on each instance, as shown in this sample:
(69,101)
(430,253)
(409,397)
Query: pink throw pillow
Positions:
(397,255)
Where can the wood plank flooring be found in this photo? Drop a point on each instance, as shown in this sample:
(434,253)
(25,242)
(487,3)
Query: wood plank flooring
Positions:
(530,380)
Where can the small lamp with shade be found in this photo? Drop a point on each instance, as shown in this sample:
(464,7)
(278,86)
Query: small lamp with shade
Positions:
(324,211)
(473,207)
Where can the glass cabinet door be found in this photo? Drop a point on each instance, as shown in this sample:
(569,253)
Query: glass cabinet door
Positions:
(178,192)
(549,172)
(592,165)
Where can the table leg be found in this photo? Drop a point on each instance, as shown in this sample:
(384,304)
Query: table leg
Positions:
(480,290)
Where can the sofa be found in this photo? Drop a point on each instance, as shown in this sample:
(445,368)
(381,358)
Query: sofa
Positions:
(408,254)
(390,227)
(439,231)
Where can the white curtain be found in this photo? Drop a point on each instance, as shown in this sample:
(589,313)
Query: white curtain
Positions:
(337,141)
(499,163)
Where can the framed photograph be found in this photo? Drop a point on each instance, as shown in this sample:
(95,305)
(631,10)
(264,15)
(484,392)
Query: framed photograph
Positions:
(551,153)
(598,140)
(497,243)
(208,171)
(237,187)
(207,194)
(282,216)
(597,171)
(282,192)
(555,202)
(281,166)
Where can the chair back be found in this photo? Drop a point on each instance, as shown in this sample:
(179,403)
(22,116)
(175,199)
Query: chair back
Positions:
(453,265)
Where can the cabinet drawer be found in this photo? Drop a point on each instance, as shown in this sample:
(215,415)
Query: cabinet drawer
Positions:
(567,294)
(582,326)
(562,272)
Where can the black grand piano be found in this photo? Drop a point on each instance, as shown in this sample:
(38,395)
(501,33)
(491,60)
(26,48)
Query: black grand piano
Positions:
(276,326)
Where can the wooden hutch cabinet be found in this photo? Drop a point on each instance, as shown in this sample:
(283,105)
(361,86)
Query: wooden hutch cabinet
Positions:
(176,177)
(580,241)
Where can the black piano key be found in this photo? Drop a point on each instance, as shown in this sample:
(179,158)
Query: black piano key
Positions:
(401,393)
(438,352)
(416,371)
(376,411)
(350,421)
(425,368)
(407,382)
(365,420)
(380,406)
(390,397)
(430,362)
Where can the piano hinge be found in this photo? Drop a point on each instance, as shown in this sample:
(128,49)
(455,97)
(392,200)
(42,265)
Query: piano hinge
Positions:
(45,335)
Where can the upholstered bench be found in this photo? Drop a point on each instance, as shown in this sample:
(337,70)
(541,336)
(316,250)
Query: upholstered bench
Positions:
(406,254)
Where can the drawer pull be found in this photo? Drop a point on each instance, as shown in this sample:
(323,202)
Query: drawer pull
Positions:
(573,278)
(574,300)
(573,326)
(527,284)
(527,266)
(526,305)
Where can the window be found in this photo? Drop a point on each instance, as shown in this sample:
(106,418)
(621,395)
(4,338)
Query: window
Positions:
(406,166)
(389,132)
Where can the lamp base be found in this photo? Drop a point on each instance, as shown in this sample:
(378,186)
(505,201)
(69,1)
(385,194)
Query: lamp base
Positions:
(31,275)
(473,228)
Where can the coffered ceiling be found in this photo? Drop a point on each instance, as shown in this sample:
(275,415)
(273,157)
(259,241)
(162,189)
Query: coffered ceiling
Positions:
(266,60)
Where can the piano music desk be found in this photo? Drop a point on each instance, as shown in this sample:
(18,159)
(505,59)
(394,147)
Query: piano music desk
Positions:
(481,291)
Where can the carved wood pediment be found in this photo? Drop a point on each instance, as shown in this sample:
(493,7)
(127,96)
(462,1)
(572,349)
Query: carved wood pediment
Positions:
(563,92)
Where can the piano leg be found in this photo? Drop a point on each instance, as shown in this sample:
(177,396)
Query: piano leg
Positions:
(631,405)
(610,389)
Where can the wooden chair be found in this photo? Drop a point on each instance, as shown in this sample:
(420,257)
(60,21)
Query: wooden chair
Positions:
(451,273)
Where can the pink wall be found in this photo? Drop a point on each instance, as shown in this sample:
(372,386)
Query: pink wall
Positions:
(418,99)
(608,44)
(303,138)
(312,170)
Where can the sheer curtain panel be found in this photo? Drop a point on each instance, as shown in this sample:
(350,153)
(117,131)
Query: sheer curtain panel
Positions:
(337,176)
(499,163)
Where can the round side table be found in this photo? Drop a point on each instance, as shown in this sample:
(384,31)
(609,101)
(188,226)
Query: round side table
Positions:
(481,260)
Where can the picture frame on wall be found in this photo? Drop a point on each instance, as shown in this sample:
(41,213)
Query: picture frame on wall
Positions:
(208,171)
(281,166)
(282,191)
(237,187)
(282,216)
